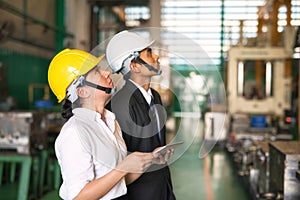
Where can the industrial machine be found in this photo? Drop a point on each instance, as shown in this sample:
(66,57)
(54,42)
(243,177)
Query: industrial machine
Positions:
(216,126)
(259,75)
(272,93)
(260,141)
(259,92)
(284,163)
(27,132)
(260,176)
(23,132)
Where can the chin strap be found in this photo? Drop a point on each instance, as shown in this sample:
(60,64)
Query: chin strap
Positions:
(141,61)
(99,87)
(72,93)
(71,90)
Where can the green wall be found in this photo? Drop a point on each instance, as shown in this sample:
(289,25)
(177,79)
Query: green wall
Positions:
(22,70)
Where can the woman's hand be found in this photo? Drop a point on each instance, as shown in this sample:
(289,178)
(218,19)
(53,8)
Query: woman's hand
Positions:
(137,162)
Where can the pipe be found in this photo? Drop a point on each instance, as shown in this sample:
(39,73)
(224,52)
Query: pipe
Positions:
(25,19)
(31,43)
(60,23)
(18,12)
(222,65)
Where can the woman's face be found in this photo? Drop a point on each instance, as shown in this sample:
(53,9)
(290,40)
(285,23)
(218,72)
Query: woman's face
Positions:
(101,77)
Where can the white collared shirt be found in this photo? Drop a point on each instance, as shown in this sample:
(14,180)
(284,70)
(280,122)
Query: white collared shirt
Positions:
(147,94)
(87,149)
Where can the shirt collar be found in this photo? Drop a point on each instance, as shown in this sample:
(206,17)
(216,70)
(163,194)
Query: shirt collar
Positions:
(147,94)
(92,114)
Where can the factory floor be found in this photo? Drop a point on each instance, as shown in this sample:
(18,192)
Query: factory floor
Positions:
(194,178)
(210,178)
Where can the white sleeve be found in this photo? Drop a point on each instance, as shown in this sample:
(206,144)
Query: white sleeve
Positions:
(76,162)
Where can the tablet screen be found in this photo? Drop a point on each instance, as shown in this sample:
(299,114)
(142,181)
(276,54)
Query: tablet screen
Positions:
(165,148)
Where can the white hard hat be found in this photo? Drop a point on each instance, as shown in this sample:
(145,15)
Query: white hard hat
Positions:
(121,48)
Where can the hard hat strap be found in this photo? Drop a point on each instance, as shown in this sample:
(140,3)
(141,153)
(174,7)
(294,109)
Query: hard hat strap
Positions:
(150,67)
(99,87)
(136,57)
(126,62)
(71,90)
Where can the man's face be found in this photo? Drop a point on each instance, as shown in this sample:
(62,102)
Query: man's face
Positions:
(151,58)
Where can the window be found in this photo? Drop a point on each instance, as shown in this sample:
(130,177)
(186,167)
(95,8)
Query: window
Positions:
(215,26)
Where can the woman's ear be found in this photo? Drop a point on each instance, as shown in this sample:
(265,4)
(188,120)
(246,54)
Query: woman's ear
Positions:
(82,92)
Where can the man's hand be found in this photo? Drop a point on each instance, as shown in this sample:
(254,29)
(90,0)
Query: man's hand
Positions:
(162,158)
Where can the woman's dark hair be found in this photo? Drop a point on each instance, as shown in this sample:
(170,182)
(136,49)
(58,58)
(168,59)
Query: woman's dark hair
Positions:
(66,109)
(68,106)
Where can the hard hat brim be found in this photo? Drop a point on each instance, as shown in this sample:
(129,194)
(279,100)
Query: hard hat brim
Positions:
(90,64)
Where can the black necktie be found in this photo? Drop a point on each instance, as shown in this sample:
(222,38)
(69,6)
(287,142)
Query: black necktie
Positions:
(156,117)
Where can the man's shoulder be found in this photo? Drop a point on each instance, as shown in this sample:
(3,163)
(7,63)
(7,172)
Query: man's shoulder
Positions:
(127,91)
(118,100)
(120,94)
(155,93)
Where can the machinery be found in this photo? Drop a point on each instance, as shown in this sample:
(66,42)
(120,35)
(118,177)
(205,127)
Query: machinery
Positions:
(259,75)
(27,151)
(260,104)
(259,99)
(22,131)
(26,132)
(271,94)
(284,162)
(216,126)
(258,89)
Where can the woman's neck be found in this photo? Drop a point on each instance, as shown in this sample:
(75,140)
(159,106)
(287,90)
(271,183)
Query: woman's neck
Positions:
(98,106)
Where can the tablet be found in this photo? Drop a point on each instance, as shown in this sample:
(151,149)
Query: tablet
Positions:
(165,148)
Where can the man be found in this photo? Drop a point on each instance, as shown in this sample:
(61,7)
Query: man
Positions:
(139,111)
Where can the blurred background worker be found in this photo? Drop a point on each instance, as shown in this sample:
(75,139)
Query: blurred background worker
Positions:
(90,149)
(138,108)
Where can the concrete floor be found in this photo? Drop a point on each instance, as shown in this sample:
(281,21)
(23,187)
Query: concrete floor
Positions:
(194,177)
(190,181)
(209,178)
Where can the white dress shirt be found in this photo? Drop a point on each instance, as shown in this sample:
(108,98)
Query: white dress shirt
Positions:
(87,149)
(149,97)
(147,94)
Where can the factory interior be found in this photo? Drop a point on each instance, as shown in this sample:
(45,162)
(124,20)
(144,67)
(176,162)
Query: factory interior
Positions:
(229,85)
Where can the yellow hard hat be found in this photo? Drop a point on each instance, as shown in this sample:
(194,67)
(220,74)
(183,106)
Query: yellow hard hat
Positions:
(66,66)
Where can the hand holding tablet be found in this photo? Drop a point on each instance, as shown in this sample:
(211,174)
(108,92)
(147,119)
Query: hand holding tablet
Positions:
(167,147)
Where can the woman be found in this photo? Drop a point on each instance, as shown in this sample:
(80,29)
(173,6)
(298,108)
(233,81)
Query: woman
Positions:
(90,149)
